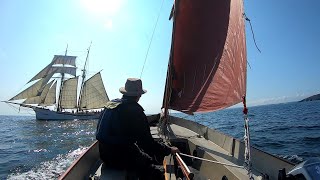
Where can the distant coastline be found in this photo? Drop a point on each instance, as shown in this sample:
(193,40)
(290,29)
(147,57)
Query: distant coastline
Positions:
(312,98)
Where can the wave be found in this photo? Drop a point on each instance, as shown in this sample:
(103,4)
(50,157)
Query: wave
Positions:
(299,127)
(311,139)
(50,169)
(270,144)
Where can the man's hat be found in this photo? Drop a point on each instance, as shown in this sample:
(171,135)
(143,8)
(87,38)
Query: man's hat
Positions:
(133,87)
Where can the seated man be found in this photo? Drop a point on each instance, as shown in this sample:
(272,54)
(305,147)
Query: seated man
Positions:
(124,135)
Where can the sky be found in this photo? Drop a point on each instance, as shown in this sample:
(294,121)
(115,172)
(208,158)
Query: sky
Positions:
(32,32)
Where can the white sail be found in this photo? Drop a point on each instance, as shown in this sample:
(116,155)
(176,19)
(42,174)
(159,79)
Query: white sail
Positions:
(69,93)
(39,99)
(51,96)
(94,94)
(31,91)
(67,70)
(46,80)
(32,100)
(60,59)
(44,72)
(57,69)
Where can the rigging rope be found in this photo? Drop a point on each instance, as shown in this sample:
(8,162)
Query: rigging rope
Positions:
(247,155)
(216,162)
(254,39)
(154,29)
(14,108)
(248,64)
(17,110)
(163,128)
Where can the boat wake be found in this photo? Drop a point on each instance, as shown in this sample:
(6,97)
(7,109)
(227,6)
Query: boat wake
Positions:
(292,158)
(50,169)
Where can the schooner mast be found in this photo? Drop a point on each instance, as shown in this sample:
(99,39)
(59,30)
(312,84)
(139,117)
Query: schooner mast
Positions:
(61,84)
(83,79)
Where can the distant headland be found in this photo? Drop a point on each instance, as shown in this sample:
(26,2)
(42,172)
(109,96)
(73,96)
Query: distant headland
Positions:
(312,98)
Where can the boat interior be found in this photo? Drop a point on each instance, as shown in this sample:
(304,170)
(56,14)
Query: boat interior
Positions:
(205,154)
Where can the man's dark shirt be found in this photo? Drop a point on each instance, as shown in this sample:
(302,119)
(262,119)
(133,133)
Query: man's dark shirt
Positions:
(123,126)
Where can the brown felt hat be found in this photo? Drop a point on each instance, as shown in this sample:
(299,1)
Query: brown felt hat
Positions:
(133,87)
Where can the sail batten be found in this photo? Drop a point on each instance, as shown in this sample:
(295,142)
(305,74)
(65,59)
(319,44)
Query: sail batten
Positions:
(208,64)
(69,93)
(94,94)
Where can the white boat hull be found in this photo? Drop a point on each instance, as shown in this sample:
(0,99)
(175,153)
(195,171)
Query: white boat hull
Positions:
(46,114)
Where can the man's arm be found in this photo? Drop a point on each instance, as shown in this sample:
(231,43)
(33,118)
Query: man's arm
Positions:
(147,143)
(139,128)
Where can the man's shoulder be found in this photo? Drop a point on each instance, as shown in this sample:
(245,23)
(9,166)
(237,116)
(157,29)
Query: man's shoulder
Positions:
(124,105)
(132,107)
(113,104)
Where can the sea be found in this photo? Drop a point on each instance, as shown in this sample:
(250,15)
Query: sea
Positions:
(32,149)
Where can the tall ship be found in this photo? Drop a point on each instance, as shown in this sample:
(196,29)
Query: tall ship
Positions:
(58,93)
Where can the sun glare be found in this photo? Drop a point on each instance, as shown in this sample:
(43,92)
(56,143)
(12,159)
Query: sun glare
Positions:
(102,8)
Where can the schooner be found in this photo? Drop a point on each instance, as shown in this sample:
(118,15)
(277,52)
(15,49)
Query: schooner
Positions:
(65,97)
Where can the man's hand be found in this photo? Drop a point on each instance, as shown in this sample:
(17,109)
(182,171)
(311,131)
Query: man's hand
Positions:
(174,150)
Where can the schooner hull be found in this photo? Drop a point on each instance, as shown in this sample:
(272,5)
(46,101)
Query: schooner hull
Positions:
(46,114)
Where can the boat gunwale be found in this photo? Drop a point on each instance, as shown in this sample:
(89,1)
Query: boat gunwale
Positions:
(67,172)
(200,126)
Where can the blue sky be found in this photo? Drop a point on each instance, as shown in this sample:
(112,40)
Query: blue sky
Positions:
(287,32)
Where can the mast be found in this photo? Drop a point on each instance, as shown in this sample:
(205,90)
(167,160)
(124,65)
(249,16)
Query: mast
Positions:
(61,84)
(83,78)
(168,86)
(167,89)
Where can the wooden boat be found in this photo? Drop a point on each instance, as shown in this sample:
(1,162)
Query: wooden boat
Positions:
(206,72)
(195,139)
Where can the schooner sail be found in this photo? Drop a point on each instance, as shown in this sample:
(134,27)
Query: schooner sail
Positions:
(45,95)
(94,93)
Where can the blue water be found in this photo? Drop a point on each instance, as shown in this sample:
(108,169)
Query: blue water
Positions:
(31,149)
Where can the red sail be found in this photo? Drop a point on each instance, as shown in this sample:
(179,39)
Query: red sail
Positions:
(208,57)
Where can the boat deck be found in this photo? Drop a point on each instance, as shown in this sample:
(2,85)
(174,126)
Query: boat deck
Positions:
(193,139)
(212,152)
